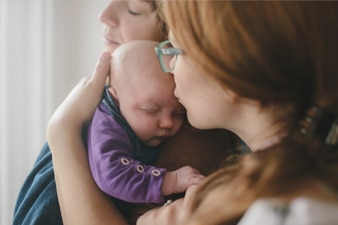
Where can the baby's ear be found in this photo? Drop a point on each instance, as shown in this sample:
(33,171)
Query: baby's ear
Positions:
(113,93)
(109,75)
(108,79)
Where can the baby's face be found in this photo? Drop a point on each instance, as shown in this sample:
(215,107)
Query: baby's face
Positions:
(145,93)
(152,110)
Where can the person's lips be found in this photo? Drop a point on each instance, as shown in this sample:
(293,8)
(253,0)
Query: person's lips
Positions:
(109,41)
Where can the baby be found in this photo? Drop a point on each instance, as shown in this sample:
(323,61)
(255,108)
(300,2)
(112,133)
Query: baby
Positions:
(138,112)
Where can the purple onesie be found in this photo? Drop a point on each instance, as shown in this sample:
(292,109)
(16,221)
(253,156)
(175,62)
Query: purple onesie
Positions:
(113,165)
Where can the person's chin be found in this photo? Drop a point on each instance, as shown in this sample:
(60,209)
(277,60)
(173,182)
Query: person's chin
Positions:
(110,46)
(154,143)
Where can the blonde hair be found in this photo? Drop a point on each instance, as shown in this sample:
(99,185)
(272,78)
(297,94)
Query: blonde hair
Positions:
(156,6)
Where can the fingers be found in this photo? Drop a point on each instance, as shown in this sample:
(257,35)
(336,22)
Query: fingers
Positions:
(189,196)
(101,70)
(80,103)
(93,86)
(97,81)
(102,66)
(187,176)
(196,179)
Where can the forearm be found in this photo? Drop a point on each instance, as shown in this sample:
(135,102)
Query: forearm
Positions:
(125,178)
(81,202)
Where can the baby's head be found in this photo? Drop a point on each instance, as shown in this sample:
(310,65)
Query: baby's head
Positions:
(144,93)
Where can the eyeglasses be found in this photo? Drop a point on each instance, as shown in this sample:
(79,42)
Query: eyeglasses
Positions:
(165,54)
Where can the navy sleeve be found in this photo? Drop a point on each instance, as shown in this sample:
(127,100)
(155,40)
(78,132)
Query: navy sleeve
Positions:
(37,202)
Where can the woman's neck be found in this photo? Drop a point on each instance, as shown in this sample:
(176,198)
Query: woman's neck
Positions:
(260,128)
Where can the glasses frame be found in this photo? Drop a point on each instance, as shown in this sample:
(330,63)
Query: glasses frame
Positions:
(160,52)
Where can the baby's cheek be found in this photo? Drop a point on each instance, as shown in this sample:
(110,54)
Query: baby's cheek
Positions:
(179,123)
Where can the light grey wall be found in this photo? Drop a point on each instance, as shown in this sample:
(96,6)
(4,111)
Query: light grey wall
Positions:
(45,48)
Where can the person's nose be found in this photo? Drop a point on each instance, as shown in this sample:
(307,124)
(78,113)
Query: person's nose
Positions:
(109,15)
(166,122)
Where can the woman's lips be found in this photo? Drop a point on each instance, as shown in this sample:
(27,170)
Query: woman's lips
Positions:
(108,41)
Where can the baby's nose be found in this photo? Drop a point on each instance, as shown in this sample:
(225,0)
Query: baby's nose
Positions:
(166,122)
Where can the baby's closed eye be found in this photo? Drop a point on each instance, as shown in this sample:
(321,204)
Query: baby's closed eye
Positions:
(150,110)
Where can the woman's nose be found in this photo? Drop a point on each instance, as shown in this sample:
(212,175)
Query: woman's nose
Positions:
(109,15)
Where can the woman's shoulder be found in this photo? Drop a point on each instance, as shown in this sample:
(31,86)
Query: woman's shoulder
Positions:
(300,211)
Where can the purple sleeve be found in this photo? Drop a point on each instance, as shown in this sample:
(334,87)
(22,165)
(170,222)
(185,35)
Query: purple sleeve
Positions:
(113,167)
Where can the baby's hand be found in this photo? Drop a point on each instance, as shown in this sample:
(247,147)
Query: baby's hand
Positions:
(179,180)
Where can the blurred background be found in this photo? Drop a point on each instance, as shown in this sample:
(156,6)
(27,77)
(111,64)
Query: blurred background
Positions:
(46,46)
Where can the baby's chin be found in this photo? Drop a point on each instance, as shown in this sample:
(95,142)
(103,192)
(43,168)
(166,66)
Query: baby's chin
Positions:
(155,142)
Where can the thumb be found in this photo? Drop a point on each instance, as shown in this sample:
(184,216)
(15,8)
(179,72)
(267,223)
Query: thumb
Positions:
(101,70)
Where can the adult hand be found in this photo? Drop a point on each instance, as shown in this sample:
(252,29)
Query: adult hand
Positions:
(176,213)
(81,201)
(80,104)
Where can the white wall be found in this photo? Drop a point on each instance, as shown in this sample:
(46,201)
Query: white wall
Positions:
(45,47)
